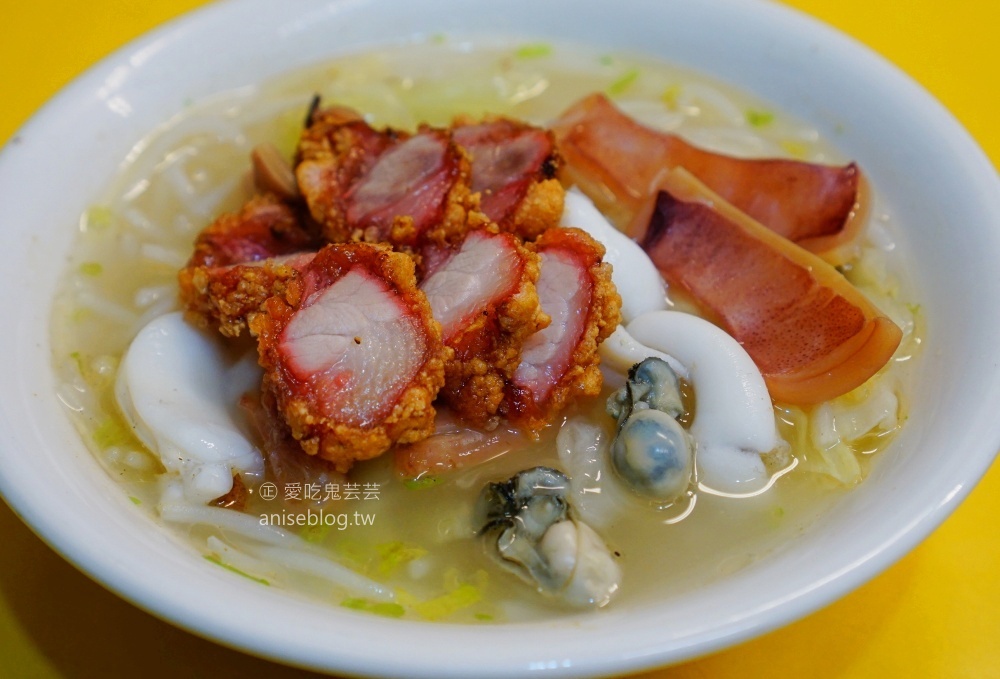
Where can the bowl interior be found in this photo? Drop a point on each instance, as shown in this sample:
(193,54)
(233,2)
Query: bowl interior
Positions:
(938,185)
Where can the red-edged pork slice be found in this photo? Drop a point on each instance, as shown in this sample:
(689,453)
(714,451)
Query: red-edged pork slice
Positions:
(483,295)
(560,362)
(618,163)
(513,169)
(407,195)
(263,228)
(383,185)
(351,353)
(240,260)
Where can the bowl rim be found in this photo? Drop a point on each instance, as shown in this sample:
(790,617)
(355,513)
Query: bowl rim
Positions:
(117,573)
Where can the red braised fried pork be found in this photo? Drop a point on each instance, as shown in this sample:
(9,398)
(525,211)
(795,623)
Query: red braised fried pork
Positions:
(240,260)
(513,170)
(372,185)
(354,352)
(560,362)
(351,353)
(482,292)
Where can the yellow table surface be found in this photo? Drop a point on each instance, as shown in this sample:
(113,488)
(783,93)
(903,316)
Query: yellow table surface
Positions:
(934,614)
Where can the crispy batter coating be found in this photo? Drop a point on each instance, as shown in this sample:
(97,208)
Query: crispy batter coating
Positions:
(540,210)
(225,297)
(343,428)
(575,368)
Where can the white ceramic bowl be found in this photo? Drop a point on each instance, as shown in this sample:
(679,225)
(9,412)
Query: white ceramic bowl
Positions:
(921,162)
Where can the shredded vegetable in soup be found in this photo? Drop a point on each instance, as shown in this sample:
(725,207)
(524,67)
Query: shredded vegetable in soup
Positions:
(486,331)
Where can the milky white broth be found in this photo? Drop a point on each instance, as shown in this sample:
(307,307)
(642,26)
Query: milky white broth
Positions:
(176,180)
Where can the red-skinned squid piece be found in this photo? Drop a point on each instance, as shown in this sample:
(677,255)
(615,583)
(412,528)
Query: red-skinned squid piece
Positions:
(240,260)
(560,363)
(620,163)
(351,353)
(483,295)
(514,166)
(372,185)
(811,333)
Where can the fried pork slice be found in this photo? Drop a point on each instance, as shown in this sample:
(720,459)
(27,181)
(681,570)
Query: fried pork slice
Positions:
(560,362)
(240,260)
(364,184)
(483,295)
(351,353)
(264,227)
(513,169)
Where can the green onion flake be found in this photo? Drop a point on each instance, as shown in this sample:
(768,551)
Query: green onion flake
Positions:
(389,610)
(533,50)
(759,118)
(91,268)
(623,82)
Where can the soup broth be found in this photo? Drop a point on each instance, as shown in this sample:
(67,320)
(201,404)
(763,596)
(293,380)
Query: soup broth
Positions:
(416,536)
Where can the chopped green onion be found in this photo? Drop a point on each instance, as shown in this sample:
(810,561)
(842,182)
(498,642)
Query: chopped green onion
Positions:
(393,555)
(759,118)
(623,82)
(446,604)
(389,610)
(91,269)
(136,501)
(533,50)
